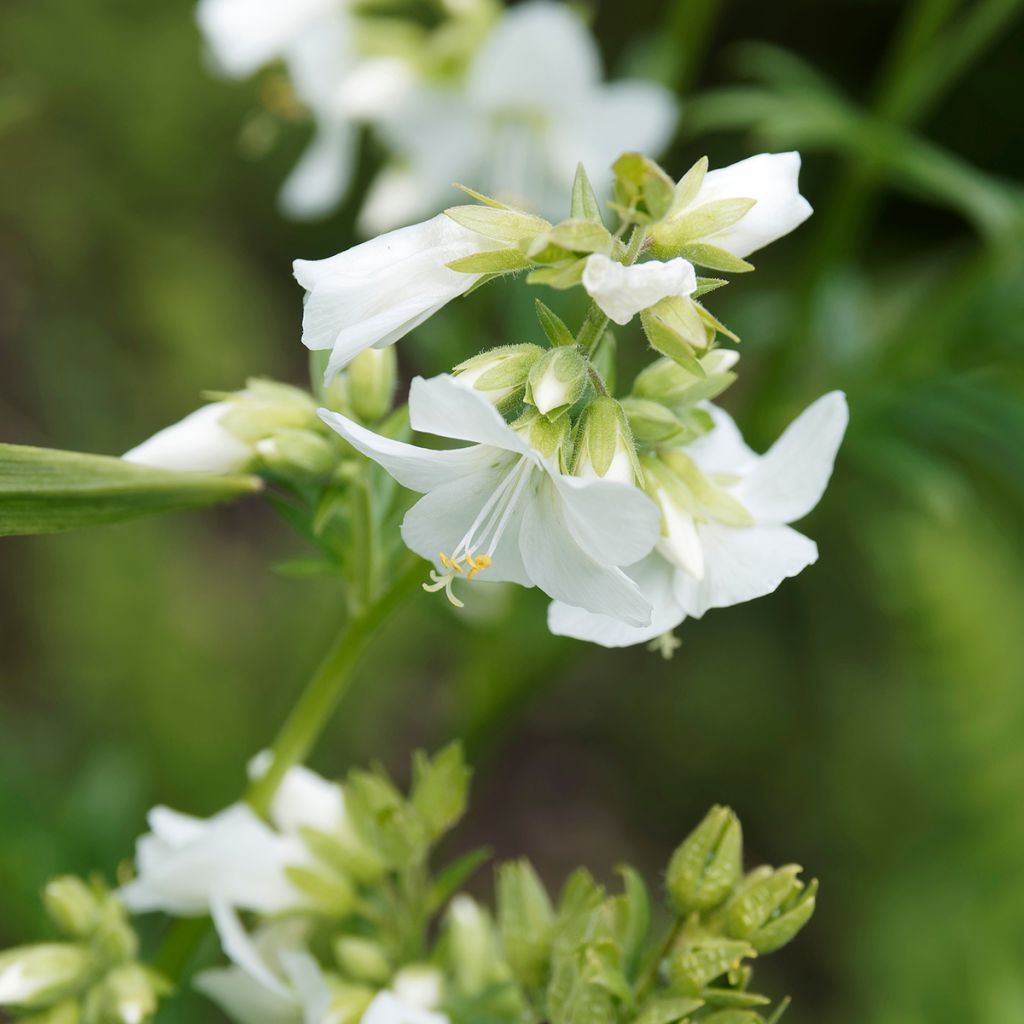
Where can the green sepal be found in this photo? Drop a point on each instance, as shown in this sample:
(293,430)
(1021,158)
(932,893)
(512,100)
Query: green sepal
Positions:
(708,863)
(697,964)
(525,922)
(704,221)
(440,789)
(330,895)
(554,326)
(668,1010)
(703,255)
(562,277)
(643,191)
(45,490)
(494,261)
(585,205)
(675,329)
(688,187)
(499,224)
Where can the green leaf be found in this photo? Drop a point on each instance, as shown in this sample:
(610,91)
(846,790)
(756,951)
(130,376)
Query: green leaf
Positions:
(554,326)
(585,205)
(43,490)
(451,878)
(440,789)
(494,261)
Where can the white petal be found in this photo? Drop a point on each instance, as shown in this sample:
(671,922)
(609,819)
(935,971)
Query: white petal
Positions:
(387,1008)
(375,292)
(303,799)
(309,983)
(246,1001)
(197,443)
(654,576)
(376,87)
(320,179)
(722,449)
(173,827)
(623,291)
(241,950)
(681,542)
(449,407)
(742,564)
(613,522)
(539,55)
(243,35)
(419,469)
(562,569)
(771,179)
(439,521)
(789,480)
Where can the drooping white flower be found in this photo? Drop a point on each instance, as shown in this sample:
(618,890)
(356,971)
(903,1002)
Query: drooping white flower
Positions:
(725,523)
(500,506)
(532,106)
(623,291)
(185,863)
(198,442)
(376,292)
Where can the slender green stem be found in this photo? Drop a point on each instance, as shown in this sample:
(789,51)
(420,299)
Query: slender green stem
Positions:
(650,975)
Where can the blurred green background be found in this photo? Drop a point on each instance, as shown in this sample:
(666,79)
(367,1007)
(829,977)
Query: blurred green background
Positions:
(866,720)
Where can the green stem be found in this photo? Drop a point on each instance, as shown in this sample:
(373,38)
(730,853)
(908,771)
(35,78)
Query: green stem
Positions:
(295,739)
(646,981)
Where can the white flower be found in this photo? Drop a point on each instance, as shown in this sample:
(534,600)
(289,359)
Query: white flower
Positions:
(621,292)
(376,292)
(725,533)
(272,979)
(185,864)
(387,1008)
(501,507)
(198,442)
(532,106)
(772,179)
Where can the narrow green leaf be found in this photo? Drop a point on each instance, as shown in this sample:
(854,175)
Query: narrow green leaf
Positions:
(584,202)
(480,197)
(43,490)
(554,327)
(451,878)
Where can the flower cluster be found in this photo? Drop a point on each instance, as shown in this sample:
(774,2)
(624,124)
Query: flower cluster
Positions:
(330,912)
(455,90)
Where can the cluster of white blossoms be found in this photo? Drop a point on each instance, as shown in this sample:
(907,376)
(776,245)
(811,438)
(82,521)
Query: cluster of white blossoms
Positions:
(456,90)
(630,514)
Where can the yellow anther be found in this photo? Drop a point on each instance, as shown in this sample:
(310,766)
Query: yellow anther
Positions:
(450,563)
(477,564)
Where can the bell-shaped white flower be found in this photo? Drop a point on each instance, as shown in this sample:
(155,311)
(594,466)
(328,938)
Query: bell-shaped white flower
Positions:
(532,106)
(501,508)
(623,291)
(726,537)
(371,295)
(199,442)
(185,863)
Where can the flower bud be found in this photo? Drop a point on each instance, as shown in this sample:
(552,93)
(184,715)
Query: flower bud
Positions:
(266,407)
(37,976)
(652,423)
(471,944)
(642,188)
(695,965)
(129,994)
(557,380)
(707,864)
(549,437)
(604,443)
(770,907)
(500,373)
(372,377)
(676,387)
(525,920)
(300,453)
(72,906)
(362,959)
(419,985)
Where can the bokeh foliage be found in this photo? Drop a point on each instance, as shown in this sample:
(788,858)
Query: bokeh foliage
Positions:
(866,719)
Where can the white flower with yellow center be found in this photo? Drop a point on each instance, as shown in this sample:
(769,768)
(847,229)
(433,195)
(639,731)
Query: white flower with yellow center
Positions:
(725,535)
(532,106)
(371,295)
(504,511)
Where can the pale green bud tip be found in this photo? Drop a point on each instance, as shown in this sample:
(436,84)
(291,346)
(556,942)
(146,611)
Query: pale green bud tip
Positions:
(419,985)
(33,976)
(604,445)
(127,995)
(72,905)
(302,452)
(500,373)
(265,407)
(363,959)
(372,378)
(707,864)
(557,380)
(770,907)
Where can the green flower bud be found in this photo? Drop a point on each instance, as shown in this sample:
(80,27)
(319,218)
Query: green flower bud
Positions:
(500,373)
(41,975)
(266,407)
(72,905)
(707,864)
(770,907)
(363,959)
(471,945)
(419,985)
(348,1002)
(604,443)
(694,965)
(129,994)
(301,453)
(549,437)
(674,386)
(372,377)
(557,380)
(643,191)
(652,423)
(525,921)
